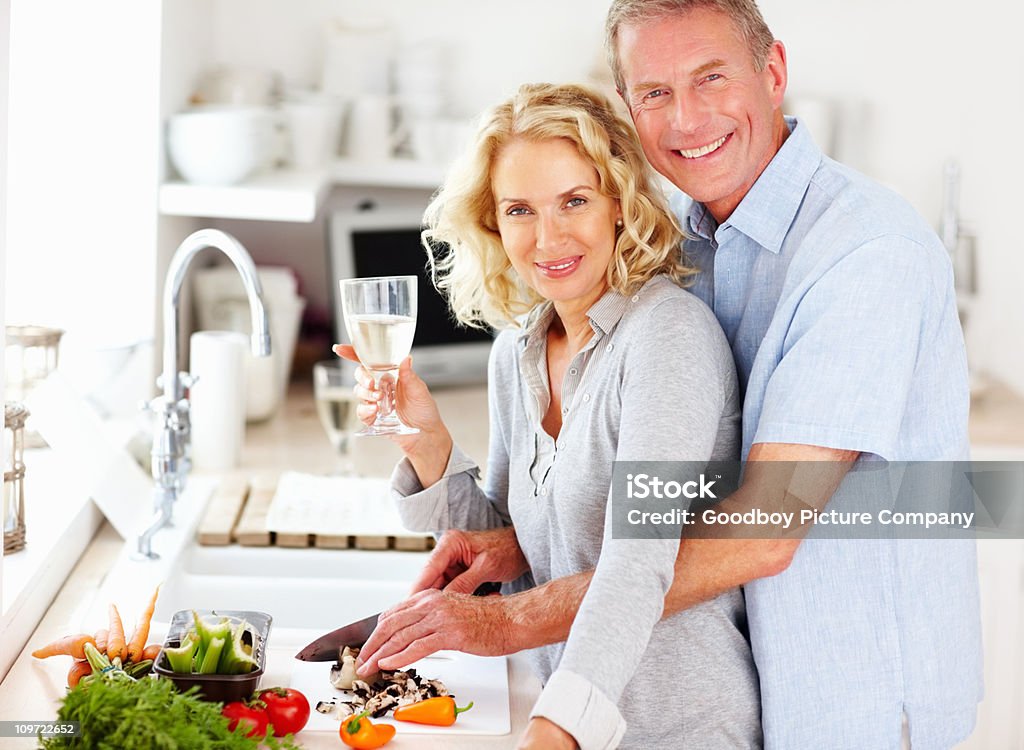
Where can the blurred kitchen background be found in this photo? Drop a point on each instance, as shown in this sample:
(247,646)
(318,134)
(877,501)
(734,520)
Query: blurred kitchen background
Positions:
(96,205)
(132,123)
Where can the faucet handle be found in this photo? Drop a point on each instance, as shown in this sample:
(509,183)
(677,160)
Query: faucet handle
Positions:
(187,380)
(155,405)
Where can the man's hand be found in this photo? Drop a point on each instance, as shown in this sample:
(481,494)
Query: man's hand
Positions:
(432,621)
(463,560)
(542,734)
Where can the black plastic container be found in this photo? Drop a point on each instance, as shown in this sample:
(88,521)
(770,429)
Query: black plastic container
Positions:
(224,688)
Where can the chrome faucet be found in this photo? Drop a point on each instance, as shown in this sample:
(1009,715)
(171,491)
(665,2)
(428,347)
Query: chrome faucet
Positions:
(170,453)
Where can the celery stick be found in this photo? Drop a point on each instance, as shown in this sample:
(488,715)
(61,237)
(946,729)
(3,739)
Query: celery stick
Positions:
(206,632)
(211,657)
(180,657)
(237,656)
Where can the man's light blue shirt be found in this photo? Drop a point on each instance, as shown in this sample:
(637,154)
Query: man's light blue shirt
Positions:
(837,299)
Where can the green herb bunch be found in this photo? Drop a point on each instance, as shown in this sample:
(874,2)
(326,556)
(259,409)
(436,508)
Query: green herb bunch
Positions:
(149,714)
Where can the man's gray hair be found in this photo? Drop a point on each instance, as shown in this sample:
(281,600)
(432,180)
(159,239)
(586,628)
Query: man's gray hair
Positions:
(745,15)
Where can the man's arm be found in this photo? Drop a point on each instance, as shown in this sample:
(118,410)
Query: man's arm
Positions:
(705,568)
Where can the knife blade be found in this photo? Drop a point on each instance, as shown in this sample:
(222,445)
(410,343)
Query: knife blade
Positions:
(325,648)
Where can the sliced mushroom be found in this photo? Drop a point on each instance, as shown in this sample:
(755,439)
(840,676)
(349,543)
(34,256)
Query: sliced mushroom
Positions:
(380,704)
(326,707)
(336,709)
(361,689)
(436,688)
(343,673)
(379,693)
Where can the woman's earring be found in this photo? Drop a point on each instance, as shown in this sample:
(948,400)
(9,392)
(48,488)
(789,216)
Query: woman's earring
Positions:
(618,222)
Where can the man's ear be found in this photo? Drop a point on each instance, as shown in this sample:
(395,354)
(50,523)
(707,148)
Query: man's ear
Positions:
(776,75)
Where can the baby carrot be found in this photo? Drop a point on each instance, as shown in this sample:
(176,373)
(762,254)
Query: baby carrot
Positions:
(101,640)
(79,669)
(69,645)
(138,641)
(116,647)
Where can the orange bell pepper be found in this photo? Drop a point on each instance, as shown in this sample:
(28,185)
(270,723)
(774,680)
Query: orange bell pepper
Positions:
(440,712)
(361,733)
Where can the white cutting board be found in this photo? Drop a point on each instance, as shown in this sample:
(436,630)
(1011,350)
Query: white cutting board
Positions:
(481,679)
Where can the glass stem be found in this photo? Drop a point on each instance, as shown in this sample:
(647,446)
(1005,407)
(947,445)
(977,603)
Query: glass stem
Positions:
(386,382)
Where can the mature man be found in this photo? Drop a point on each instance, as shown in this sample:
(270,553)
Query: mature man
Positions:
(838,302)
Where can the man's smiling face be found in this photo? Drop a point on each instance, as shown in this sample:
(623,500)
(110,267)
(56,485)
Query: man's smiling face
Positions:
(707,118)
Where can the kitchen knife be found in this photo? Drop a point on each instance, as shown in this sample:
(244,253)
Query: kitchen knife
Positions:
(325,648)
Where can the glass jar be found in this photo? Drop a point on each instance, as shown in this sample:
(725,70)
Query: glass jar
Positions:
(30,356)
(14,476)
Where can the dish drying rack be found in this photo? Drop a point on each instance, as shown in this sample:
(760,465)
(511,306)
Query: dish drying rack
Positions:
(303,510)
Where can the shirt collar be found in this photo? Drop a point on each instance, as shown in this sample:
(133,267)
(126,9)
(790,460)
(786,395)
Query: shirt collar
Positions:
(769,207)
(537,321)
(604,316)
(700,221)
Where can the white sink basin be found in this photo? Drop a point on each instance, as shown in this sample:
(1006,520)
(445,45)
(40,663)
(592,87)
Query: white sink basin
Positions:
(303,590)
(307,589)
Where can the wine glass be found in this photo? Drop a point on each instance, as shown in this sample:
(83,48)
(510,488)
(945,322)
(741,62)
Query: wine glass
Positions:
(336,405)
(380,317)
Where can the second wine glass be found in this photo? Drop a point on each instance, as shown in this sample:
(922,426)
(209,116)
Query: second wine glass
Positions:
(380,317)
(336,406)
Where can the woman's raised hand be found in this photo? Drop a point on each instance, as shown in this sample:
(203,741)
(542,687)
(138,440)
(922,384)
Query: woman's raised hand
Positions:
(415,407)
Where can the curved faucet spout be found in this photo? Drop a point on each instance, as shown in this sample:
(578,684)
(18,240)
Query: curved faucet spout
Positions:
(170,452)
(173,390)
(171,436)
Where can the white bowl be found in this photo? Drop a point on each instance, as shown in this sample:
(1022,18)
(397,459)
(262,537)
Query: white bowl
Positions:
(219,146)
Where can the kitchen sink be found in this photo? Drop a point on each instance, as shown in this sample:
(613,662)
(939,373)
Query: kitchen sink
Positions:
(304,589)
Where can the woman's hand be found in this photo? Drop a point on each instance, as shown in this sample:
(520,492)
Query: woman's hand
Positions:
(415,406)
(542,734)
(429,449)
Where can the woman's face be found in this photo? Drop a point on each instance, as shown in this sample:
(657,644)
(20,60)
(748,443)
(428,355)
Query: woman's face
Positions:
(557,228)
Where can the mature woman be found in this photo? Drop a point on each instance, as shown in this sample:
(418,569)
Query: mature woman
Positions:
(558,234)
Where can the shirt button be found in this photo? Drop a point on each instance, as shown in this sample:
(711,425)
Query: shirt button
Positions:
(586,397)
(573,370)
(561,445)
(611,346)
(636,297)
(544,492)
(565,410)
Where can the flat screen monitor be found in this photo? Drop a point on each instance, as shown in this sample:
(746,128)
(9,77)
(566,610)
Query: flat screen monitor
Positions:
(386,242)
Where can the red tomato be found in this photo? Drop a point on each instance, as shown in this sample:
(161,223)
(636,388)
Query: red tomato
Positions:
(287,709)
(246,716)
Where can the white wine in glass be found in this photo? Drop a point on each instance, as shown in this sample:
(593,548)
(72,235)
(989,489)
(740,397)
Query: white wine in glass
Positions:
(380,317)
(336,405)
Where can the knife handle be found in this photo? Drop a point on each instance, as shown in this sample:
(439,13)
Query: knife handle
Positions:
(487,589)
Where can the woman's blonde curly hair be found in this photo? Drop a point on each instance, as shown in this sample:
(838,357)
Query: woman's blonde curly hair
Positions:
(467,257)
